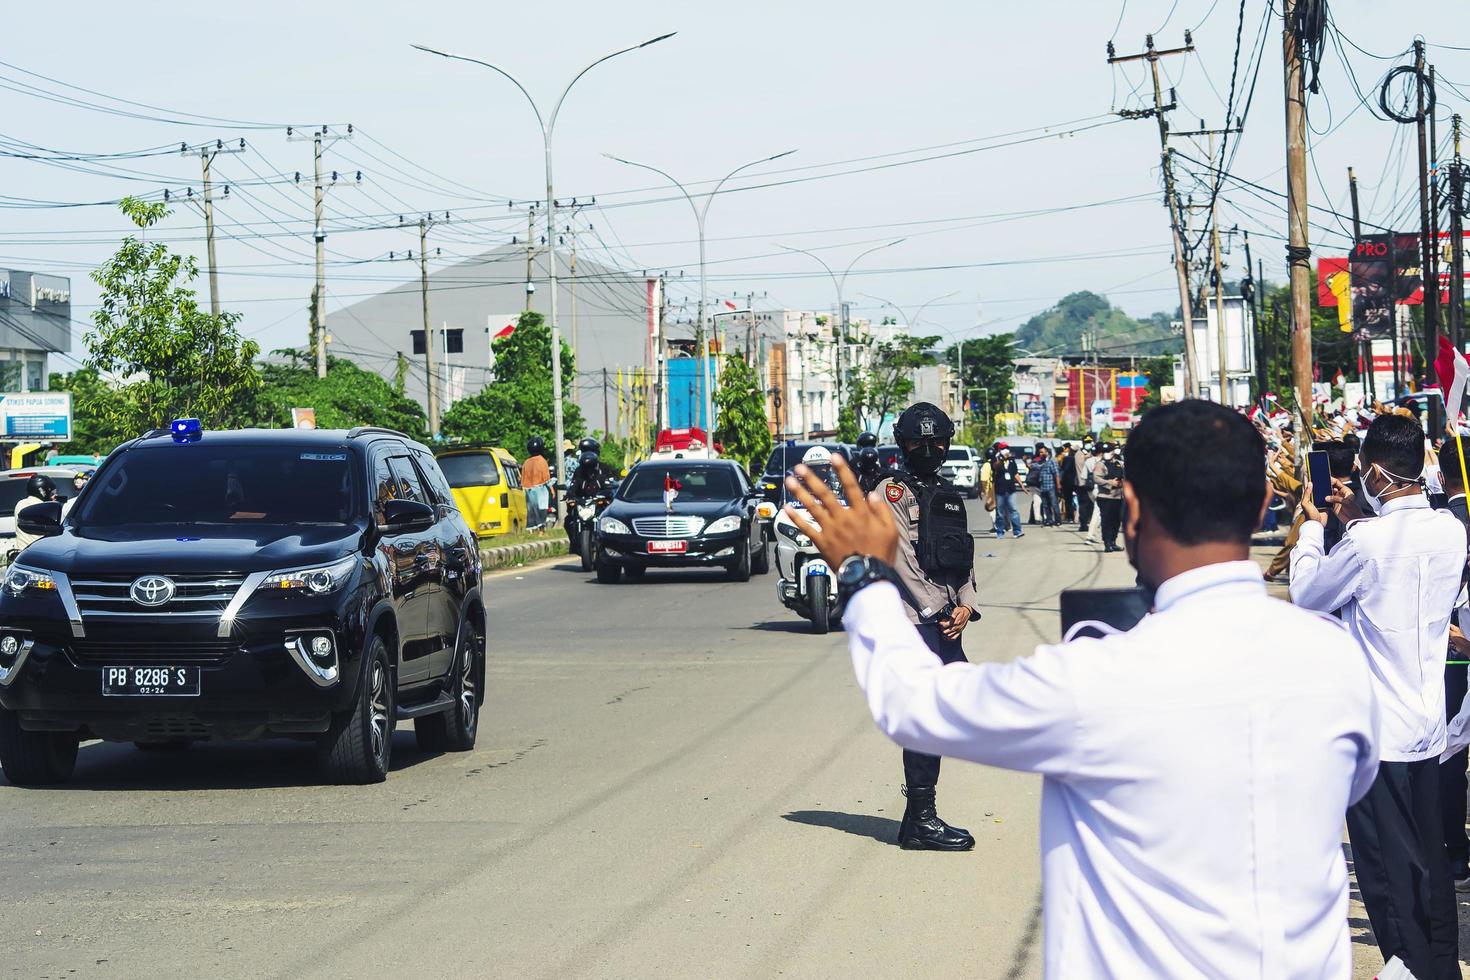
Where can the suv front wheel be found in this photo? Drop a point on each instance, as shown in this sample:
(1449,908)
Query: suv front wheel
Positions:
(35,758)
(359,746)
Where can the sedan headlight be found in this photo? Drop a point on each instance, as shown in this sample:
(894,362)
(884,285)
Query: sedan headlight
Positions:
(724,525)
(611,525)
(312,580)
(19,580)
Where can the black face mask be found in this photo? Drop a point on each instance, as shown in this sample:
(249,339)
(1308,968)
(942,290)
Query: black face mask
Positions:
(925,458)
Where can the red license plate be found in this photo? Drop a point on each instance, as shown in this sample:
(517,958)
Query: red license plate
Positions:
(667,547)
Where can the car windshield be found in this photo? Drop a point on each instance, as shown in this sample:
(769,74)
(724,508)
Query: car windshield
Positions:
(12,491)
(470,470)
(784,458)
(957,454)
(222,484)
(646,484)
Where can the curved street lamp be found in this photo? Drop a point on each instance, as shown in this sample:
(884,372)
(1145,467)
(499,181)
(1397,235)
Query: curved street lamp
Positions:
(701,212)
(548,127)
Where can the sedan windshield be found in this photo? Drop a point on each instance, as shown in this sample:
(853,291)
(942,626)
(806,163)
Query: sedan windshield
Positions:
(647,483)
(223,484)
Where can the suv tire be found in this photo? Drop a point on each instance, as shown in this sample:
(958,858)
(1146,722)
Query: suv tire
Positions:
(455,730)
(358,748)
(35,758)
(608,572)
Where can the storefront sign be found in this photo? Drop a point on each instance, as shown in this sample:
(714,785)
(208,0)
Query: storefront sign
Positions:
(41,415)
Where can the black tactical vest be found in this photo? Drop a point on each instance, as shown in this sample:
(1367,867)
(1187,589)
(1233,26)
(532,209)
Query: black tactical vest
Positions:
(944,545)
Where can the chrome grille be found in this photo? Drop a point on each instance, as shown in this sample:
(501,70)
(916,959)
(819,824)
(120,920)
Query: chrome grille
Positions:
(108,595)
(672,526)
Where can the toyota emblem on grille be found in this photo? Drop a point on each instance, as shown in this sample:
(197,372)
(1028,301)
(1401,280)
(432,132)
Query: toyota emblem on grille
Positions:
(152,590)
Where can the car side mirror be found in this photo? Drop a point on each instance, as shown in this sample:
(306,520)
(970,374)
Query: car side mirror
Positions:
(42,520)
(404,517)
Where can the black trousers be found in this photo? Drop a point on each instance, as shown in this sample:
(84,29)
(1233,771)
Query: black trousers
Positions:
(1452,781)
(920,770)
(1084,509)
(1112,520)
(1398,854)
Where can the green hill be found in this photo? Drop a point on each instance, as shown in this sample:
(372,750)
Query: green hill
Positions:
(1060,329)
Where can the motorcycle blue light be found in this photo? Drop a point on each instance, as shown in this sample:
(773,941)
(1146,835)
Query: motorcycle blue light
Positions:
(186,430)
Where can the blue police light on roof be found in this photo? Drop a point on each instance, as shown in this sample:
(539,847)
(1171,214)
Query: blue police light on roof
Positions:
(186,430)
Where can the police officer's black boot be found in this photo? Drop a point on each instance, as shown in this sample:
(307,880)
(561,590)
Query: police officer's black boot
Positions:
(922,830)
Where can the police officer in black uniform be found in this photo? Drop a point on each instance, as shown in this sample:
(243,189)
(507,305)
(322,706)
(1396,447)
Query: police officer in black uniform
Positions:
(868,465)
(936,569)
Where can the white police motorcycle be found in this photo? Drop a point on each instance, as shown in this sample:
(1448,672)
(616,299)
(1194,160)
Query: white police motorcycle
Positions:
(806,583)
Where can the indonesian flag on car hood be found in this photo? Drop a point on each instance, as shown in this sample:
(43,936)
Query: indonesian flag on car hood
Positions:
(671,490)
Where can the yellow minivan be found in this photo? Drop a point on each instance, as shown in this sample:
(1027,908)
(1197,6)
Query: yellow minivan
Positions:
(486,481)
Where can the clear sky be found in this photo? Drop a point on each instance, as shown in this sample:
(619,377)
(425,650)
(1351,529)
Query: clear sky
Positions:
(851,86)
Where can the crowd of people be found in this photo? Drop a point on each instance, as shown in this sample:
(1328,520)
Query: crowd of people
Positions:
(1080,485)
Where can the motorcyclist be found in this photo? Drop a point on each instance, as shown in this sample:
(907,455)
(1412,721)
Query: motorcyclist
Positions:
(590,476)
(40,489)
(78,483)
(868,463)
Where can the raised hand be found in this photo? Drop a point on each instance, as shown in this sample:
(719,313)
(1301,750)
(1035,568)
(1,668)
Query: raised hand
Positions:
(864,527)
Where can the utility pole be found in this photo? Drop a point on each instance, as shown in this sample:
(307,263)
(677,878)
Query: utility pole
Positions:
(1431,274)
(1257,289)
(431,382)
(319,328)
(606,427)
(1457,239)
(1426,247)
(1364,344)
(1298,253)
(1219,274)
(207,153)
(530,250)
(1181,258)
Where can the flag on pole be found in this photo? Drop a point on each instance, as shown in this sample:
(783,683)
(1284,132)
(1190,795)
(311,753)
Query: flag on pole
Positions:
(671,491)
(1453,371)
(731,305)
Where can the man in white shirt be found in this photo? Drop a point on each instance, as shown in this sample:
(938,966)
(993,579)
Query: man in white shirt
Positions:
(1393,579)
(1195,779)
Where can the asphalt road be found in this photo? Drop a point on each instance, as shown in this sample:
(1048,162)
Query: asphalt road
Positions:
(675,778)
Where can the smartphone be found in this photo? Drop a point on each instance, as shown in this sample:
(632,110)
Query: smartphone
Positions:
(1120,609)
(1319,474)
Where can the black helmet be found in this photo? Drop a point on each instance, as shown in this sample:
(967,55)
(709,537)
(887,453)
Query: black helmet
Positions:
(588,458)
(927,425)
(868,458)
(867,439)
(535,446)
(589,445)
(40,486)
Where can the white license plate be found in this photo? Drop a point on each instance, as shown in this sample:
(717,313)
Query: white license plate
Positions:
(150,682)
(667,547)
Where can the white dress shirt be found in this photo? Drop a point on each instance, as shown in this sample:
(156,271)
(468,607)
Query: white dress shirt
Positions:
(1395,578)
(1197,769)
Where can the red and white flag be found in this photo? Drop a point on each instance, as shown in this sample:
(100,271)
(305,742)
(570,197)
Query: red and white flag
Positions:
(671,490)
(1454,372)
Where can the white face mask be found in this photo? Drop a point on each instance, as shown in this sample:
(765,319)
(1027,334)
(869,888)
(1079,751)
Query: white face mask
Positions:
(1373,499)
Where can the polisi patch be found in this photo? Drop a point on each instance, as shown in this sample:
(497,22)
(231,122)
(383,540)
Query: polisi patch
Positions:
(895,493)
(953,508)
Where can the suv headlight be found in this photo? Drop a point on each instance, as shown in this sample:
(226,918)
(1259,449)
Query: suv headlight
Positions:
(724,525)
(19,580)
(312,580)
(611,525)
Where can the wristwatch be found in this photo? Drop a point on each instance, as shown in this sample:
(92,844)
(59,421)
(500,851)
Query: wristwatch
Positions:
(859,571)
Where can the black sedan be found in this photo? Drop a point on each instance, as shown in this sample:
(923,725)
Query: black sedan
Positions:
(682,513)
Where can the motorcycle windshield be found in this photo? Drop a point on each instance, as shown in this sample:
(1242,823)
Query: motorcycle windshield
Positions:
(827,476)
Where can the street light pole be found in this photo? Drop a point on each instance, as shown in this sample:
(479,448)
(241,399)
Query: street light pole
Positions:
(548,127)
(701,212)
(840,284)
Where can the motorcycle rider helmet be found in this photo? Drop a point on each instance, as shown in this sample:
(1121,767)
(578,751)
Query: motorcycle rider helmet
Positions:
(923,432)
(589,445)
(535,446)
(868,459)
(41,487)
(867,439)
(588,459)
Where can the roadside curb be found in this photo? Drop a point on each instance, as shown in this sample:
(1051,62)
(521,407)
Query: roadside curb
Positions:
(521,554)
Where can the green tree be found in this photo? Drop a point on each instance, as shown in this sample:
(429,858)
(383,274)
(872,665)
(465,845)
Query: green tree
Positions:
(988,366)
(519,402)
(173,358)
(347,396)
(740,406)
(886,381)
(93,403)
(1160,372)
(847,424)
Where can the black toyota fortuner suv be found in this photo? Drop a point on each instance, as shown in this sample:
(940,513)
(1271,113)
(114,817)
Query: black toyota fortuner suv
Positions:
(243,585)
